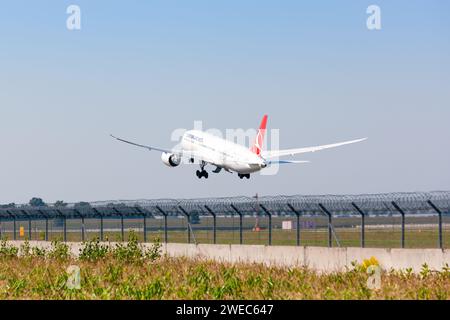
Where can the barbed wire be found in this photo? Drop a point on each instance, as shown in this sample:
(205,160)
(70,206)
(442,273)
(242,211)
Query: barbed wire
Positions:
(370,204)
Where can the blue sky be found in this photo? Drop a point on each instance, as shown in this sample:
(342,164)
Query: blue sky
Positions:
(140,69)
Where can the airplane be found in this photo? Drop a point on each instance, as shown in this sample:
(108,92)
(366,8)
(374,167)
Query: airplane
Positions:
(229,156)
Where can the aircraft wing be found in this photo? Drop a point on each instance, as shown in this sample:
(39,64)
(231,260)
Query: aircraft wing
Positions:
(150,148)
(182,153)
(290,152)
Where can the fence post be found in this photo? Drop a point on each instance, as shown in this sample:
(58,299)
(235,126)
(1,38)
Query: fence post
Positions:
(166,234)
(29,223)
(82,229)
(439,212)
(298,222)
(145,229)
(270,223)
(101,228)
(403,221)
(65,229)
(122,228)
(363,224)
(144,215)
(14,219)
(241,237)
(82,223)
(101,222)
(165,223)
(64,224)
(214,224)
(330,221)
(188,218)
(46,228)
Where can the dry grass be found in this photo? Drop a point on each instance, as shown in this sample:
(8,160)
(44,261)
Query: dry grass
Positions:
(34,277)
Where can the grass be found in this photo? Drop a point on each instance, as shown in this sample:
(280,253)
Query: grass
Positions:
(313,231)
(127,272)
(374,238)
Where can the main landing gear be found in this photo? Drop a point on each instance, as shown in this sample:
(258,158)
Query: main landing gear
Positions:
(242,176)
(202,172)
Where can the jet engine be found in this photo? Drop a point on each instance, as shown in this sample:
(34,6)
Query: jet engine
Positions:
(170,160)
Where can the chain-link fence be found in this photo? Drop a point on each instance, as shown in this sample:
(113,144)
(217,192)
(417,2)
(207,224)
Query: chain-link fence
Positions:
(410,220)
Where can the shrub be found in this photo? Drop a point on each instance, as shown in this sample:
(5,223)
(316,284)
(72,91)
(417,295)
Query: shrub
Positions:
(425,271)
(131,252)
(25,249)
(59,250)
(38,252)
(154,252)
(8,251)
(93,250)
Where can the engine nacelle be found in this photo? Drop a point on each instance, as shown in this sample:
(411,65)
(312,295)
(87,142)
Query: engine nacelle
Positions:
(170,160)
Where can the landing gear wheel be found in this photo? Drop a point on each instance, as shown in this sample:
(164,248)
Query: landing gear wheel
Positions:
(202,174)
(247,176)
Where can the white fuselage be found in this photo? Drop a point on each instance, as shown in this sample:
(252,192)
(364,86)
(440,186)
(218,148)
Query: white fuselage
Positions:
(222,153)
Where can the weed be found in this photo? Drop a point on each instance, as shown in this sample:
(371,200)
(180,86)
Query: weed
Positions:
(38,252)
(93,251)
(131,252)
(154,290)
(425,271)
(122,273)
(154,252)
(59,250)
(25,249)
(8,251)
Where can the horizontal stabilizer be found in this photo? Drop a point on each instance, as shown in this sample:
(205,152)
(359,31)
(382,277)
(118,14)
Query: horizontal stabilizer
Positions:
(286,162)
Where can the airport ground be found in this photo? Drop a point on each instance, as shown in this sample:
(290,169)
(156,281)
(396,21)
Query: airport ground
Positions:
(380,232)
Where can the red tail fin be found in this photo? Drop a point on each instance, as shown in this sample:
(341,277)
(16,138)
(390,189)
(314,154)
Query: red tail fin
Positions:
(259,140)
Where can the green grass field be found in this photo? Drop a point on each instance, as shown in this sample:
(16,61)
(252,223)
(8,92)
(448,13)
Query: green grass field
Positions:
(346,238)
(346,231)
